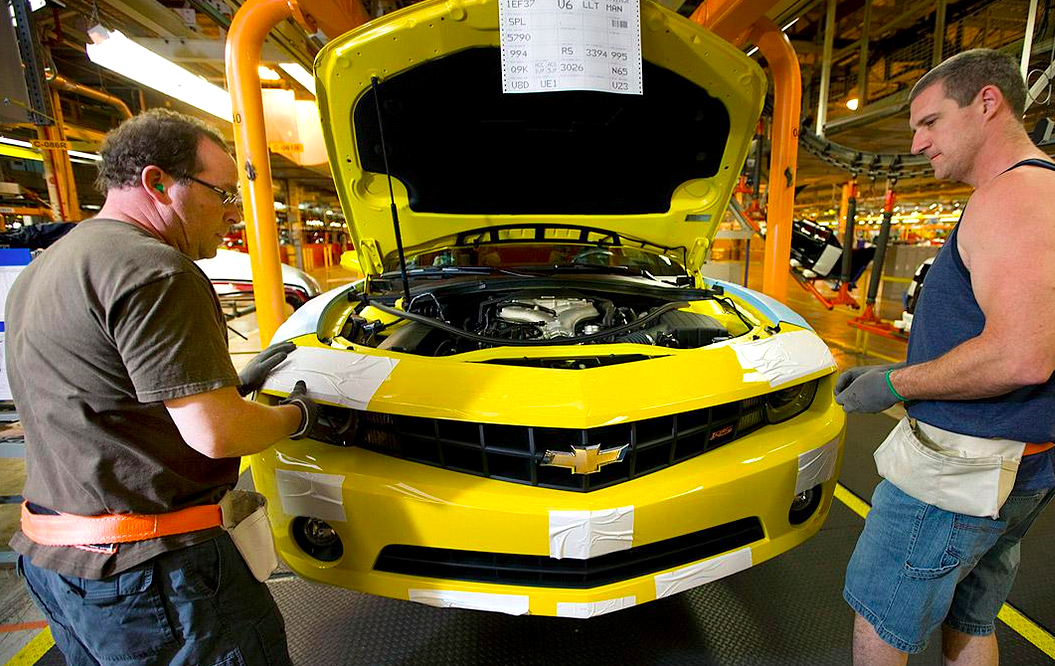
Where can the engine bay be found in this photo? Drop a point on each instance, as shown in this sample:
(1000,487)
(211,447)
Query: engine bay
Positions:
(442,322)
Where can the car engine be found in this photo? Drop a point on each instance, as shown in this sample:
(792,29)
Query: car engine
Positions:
(442,324)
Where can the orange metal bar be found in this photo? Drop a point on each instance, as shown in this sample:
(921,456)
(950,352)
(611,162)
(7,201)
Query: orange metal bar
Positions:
(245,39)
(787,100)
(731,19)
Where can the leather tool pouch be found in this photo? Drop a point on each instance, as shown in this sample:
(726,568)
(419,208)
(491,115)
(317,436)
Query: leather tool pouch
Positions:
(954,472)
(245,519)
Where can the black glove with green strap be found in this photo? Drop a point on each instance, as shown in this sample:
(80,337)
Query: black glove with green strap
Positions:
(867,389)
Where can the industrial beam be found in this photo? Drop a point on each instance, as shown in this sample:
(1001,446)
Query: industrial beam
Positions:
(939,34)
(153,16)
(862,56)
(826,68)
(201,50)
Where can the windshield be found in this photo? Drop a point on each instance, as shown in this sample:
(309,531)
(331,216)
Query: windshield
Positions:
(542,255)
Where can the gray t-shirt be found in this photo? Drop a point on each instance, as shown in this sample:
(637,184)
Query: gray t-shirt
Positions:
(101,328)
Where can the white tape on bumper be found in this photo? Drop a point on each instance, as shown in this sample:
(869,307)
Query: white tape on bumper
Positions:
(339,377)
(593,608)
(311,494)
(510,604)
(580,535)
(702,573)
(784,357)
(816,466)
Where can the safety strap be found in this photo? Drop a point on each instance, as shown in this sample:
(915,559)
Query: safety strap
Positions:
(1032,449)
(68,530)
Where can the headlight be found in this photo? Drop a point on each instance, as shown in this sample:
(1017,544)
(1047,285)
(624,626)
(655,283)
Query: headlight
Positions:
(790,402)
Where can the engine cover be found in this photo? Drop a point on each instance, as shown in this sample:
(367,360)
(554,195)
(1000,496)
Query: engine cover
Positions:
(555,317)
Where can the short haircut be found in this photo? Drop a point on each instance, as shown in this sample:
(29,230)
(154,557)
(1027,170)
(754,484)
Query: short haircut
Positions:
(965,74)
(158,137)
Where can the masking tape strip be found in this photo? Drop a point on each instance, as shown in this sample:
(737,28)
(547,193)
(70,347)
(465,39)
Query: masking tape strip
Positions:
(593,608)
(816,466)
(580,535)
(338,377)
(702,573)
(311,494)
(510,604)
(784,357)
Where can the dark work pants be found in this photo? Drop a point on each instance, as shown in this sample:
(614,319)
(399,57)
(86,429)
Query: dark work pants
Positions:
(196,606)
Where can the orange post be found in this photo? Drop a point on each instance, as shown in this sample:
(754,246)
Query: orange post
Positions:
(787,100)
(245,39)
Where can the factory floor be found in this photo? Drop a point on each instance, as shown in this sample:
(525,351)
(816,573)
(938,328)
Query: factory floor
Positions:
(786,611)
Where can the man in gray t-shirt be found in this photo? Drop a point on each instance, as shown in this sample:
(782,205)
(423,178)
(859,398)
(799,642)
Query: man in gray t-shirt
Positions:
(117,355)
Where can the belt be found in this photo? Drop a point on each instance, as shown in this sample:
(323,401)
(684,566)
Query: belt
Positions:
(68,530)
(1038,448)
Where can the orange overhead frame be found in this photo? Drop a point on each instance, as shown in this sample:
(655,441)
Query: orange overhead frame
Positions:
(784,153)
(731,19)
(739,21)
(245,39)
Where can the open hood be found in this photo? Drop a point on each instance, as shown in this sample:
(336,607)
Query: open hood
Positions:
(658,167)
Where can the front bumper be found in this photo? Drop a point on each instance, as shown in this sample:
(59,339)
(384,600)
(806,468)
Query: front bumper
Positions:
(373,501)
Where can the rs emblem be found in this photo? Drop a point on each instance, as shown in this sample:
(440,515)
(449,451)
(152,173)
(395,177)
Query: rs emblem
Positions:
(585,459)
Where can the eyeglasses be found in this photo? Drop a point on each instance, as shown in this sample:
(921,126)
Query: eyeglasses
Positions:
(226,198)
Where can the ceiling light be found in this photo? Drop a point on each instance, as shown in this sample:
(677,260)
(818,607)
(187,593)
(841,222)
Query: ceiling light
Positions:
(114,51)
(267,74)
(852,103)
(299,74)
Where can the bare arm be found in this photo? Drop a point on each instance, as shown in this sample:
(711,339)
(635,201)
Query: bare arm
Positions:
(221,424)
(1008,244)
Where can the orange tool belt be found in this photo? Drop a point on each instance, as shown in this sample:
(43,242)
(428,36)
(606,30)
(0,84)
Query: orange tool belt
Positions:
(1038,448)
(68,530)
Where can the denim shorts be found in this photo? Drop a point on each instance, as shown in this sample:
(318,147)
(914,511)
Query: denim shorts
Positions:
(197,606)
(916,566)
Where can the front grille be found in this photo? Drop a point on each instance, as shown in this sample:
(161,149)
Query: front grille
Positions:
(541,571)
(513,453)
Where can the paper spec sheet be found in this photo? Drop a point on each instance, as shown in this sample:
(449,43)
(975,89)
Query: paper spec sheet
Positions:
(550,45)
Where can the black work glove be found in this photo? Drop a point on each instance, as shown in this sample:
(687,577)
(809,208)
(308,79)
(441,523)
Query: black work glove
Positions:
(867,390)
(309,411)
(253,375)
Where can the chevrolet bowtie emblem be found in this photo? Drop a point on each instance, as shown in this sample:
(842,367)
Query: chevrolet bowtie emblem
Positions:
(585,459)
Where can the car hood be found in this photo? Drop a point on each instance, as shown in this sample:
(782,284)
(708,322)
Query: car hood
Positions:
(464,156)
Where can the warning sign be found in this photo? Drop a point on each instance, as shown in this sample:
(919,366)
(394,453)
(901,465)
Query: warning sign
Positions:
(46,144)
(285,147)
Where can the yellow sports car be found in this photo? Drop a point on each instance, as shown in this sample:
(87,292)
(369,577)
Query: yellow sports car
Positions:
(539,405)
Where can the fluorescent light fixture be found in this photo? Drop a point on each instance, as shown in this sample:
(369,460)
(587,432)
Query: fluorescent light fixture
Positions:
(267,74)
(752,51)
(15,142)
(299,74)
(114,51)
(852,103)
(88,156)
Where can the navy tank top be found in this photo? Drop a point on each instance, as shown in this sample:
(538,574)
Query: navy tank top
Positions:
(948,315)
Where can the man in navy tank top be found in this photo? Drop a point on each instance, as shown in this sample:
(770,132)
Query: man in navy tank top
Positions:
(980,366)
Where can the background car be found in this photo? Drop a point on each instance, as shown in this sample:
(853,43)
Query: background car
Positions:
(231,275)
